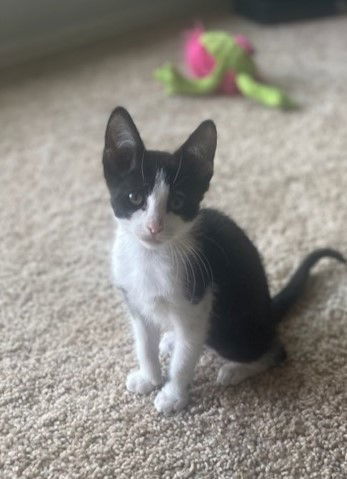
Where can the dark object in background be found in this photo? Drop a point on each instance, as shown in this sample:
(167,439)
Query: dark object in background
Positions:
(274,11)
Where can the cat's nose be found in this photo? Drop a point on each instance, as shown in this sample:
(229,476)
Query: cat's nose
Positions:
(155,227)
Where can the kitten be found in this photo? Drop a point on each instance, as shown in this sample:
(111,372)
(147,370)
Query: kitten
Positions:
(190,271)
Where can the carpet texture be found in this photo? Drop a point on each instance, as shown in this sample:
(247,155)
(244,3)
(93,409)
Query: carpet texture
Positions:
(65,342)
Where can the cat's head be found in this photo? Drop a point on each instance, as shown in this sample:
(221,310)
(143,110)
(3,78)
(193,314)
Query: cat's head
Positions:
(156,195)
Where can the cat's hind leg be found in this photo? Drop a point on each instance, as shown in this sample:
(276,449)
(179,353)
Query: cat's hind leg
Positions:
(233,373)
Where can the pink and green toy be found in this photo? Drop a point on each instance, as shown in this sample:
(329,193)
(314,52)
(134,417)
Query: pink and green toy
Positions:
(219,62)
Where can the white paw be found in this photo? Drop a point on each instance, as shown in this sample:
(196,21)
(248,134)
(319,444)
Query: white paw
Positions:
(167,343)
(231,375)
(139,384)
(168,401)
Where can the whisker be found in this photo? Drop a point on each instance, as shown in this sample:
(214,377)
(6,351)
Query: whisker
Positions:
(142,170)
(193,274)
(178,169)
(179,252)
(192,257)
(218,246)
(190,250)
(183,179)
(175,262)
(187,262)
(201,259)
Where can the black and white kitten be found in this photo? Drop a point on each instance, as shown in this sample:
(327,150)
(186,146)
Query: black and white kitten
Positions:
(191,272)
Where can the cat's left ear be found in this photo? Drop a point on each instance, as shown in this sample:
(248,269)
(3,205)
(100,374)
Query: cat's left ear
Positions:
(201,147)
(123,145)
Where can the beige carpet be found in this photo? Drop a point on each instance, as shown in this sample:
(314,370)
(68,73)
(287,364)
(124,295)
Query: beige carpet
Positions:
(65,342)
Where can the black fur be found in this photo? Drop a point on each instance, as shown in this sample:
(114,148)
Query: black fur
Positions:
(244,318)
(283,301)
(241,326)
(131,168)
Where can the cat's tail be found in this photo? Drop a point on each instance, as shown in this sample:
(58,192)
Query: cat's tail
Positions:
(285,299)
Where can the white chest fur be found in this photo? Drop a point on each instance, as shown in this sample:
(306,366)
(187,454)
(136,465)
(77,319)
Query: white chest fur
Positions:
(151,279)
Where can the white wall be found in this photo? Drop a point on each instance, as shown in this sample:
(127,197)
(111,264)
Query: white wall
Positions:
(30,28)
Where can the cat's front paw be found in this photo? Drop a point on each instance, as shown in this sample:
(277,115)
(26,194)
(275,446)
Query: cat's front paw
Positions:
(139,384)
(168,400)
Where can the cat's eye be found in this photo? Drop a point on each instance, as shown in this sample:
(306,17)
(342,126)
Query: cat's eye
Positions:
(136,198)
(177,201)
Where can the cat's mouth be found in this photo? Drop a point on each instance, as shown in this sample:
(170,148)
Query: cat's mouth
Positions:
(151,241)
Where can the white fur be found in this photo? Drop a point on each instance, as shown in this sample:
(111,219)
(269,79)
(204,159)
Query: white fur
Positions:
(167,343)
(152,278)
(173,226)
(233,373)
(157,201)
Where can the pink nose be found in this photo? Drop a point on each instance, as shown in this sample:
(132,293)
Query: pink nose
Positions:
(155,227)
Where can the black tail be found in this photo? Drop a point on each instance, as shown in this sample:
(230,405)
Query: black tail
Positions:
(286,298)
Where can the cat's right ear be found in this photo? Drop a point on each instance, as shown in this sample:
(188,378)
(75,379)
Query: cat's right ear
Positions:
(123,144)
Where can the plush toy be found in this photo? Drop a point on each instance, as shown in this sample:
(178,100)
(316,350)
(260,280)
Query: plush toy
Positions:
(219,62)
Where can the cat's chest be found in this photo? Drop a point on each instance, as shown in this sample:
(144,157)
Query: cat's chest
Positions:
(149,280)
